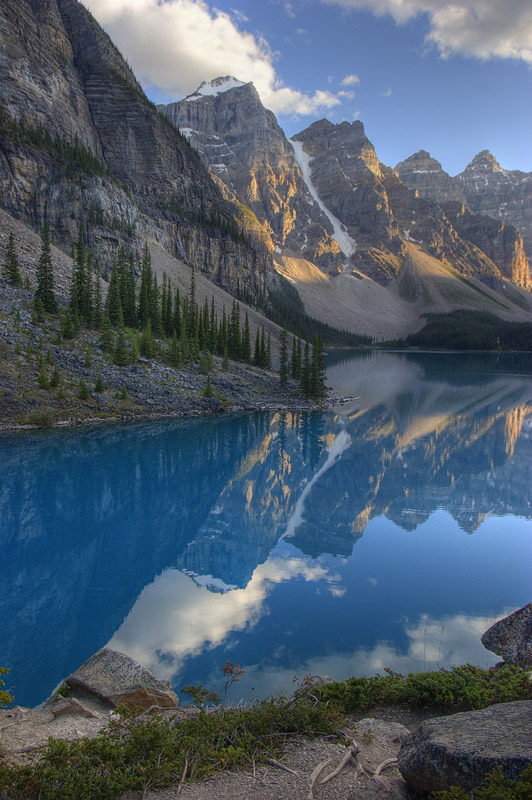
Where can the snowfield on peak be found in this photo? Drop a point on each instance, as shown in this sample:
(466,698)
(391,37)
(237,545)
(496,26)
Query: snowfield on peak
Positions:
(212,88)
(346,244)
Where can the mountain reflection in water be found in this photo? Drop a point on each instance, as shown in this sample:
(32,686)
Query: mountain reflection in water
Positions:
(327,543)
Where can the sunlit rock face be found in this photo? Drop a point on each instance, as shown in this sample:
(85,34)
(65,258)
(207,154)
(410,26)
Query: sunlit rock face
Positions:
(484,187)
(241,143)
(135,179)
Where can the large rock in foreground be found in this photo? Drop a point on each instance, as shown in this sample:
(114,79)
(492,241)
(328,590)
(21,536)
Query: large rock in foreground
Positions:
(511,638)
(463,748)
(117,679)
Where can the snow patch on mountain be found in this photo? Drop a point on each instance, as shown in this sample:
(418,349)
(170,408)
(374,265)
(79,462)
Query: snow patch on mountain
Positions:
(212,88)
(346,244)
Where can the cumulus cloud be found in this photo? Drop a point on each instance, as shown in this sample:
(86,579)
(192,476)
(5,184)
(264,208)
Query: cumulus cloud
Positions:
(480,28)
(350,80)
(175,618)
(180,43)
(387,93)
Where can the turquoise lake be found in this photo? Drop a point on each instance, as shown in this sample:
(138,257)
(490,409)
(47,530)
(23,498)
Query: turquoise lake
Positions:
(388,532)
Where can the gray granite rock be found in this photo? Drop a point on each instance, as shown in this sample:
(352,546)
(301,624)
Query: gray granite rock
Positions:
(511,638)
(463,748)
(118,679)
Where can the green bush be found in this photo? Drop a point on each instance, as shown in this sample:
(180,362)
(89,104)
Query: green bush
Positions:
(496,787)
(458,689)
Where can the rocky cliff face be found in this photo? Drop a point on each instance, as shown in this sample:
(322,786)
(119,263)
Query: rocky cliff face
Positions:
(103,153)
(240,142)
(484,187)
(381,213)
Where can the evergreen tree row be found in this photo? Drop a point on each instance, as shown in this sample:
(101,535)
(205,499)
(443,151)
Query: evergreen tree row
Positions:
(157,312)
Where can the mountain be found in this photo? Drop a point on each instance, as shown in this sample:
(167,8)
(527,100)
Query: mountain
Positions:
(345,229)
(484,187)
(79,140)
(241,143)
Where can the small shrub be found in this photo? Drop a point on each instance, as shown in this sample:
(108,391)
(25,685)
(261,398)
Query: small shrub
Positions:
(495,787)
(83,392)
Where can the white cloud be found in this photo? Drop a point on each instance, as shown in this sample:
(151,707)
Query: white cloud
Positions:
(480,28)
(387,93)
(180,43)
(174,617)
(350,80)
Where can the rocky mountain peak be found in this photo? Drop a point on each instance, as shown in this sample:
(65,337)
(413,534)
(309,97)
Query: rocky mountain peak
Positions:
(215,87)
(419,163)
(484,161)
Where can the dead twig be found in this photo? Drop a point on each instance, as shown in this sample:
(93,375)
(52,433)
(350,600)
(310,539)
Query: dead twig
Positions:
(314,777)
(278,764)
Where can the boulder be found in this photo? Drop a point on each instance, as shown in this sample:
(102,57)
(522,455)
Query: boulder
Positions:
(462,749)
(511,638)
(117,679)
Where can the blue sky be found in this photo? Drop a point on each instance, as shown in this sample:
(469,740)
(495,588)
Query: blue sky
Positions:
(449,76)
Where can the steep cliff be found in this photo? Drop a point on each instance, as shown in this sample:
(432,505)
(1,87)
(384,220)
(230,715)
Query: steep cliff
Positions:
(79,139)
(484,186)
(240,141)
(380,212)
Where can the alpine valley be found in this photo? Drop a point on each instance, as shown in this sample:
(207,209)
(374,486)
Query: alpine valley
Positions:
(212,182)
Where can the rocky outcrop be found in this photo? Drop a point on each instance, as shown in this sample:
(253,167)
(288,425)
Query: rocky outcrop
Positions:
(502,243)
(511,638)
(461,750)
(79,140)
(241,143)
(119,680)
(484,187)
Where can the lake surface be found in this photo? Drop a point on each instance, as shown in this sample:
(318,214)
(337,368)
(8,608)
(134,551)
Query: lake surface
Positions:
(390,532)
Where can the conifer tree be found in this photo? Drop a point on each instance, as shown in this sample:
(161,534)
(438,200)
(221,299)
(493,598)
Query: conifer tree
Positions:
(269,353)
(147,342)
(11,269)
(144,305)
(106,338)
(45,279)
(245,346)
(174,356)
(283,359)
(98,386)
(113,306)
(121,352)
(317,380)
(256,351)
(208,388)
(176,318)
(305,379)
(96,298)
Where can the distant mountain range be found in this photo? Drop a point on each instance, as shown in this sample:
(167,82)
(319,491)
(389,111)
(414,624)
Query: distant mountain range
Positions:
(351,233)
(369,248)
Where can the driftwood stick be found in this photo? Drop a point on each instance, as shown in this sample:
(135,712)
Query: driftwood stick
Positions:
(384,765)
(350,753)
(278,764)
(314,777)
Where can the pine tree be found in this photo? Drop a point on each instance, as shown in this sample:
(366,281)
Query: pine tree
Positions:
(42,380)
(144,305)
(256,351)
(83,392)
(305,379)
(208,388)
(106,338)
(174,355)
(45,279)
(147,342)
(283,360)
(121,351)
(98,386)
(318,388)
(113,306)
(11,269)
(55,380)
(245,348)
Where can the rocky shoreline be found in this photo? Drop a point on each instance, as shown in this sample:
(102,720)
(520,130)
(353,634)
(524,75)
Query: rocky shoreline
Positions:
(420,750)
(147,389)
